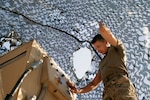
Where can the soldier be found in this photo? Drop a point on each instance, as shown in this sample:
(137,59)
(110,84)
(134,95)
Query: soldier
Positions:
(112,68)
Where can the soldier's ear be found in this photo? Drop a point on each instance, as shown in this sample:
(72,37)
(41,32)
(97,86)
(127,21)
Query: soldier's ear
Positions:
(107,44)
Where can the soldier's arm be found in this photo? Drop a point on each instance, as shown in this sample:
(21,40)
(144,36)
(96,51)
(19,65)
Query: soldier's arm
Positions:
(91,86)
(107,34)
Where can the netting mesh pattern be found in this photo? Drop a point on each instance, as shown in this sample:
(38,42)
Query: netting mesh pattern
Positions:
(60,26)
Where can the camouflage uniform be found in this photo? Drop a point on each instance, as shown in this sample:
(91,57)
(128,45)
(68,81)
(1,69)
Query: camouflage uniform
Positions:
(117,85)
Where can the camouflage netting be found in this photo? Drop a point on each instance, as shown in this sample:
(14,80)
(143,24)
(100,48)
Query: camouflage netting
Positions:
(60,26)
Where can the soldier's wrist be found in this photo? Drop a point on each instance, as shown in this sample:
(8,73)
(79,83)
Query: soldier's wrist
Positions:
(79,91)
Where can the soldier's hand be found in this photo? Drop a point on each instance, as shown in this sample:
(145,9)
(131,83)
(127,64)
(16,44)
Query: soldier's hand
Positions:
(102,27)
(72,87)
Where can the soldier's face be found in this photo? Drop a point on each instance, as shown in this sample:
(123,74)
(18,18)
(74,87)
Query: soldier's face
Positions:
(101,46)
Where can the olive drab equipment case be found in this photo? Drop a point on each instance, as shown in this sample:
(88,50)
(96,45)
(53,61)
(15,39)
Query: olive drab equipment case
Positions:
(45,82)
